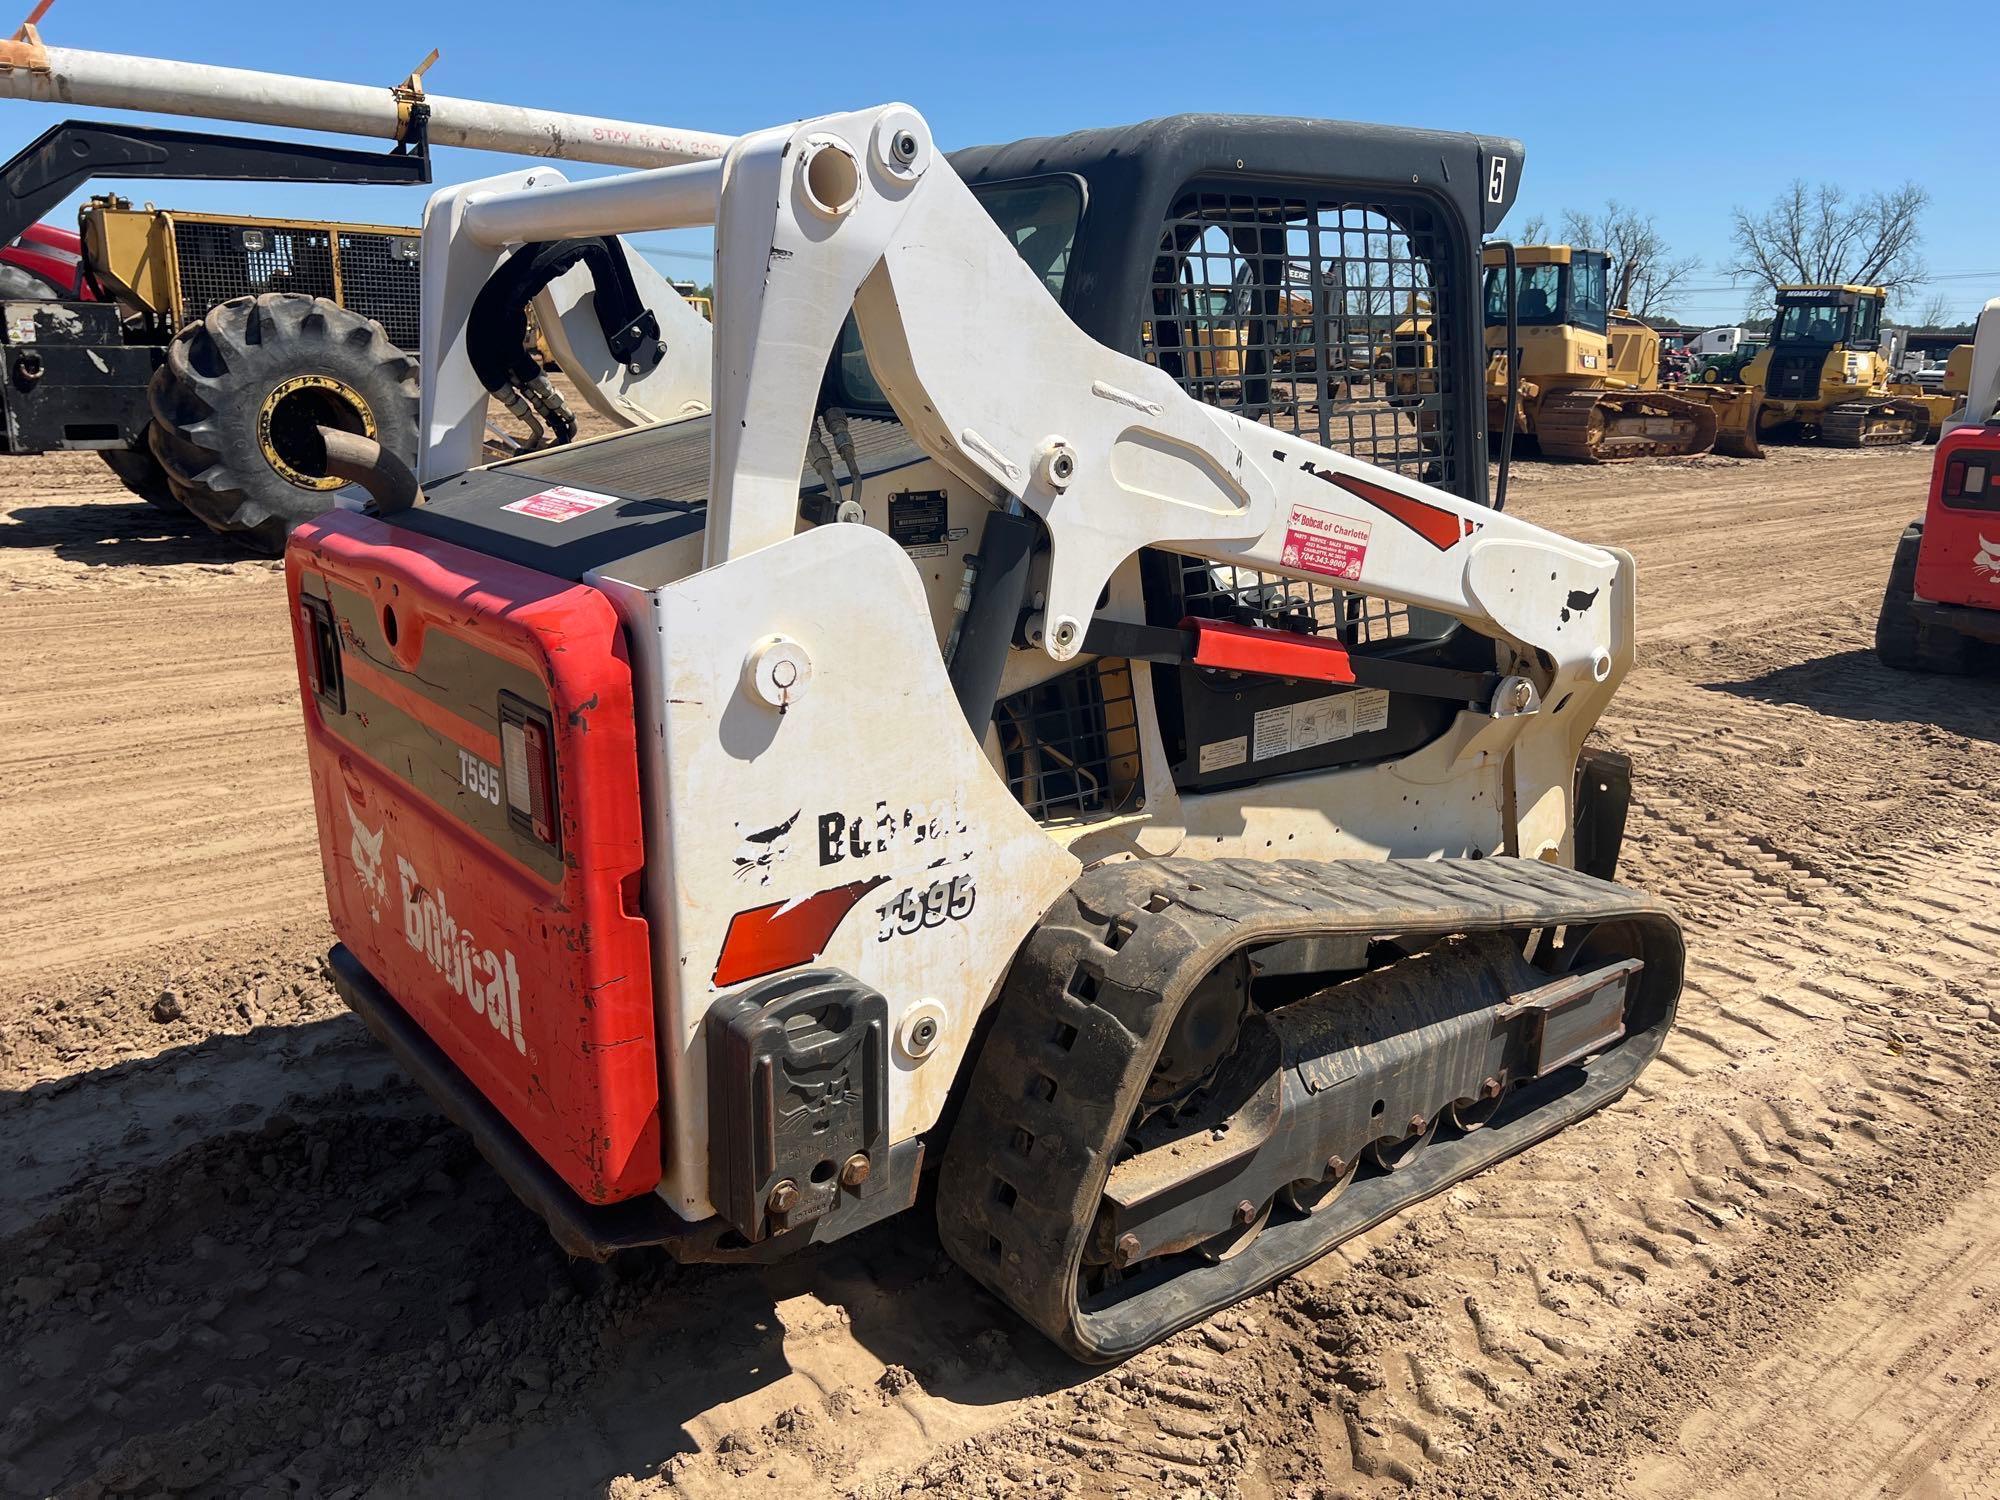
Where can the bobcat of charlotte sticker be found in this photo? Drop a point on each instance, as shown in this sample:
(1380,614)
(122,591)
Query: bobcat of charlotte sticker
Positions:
(1319,541)
(563,503)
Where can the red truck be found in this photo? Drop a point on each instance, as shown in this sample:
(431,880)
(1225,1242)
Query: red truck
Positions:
(1941,611)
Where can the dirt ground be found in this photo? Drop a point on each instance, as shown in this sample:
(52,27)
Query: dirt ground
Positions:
(239,1255)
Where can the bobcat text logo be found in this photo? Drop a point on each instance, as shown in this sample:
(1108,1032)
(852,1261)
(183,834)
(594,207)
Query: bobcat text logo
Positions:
(486,979)
(885,830)
(364,847)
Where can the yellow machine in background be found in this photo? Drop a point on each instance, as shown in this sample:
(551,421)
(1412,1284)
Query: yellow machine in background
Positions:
(1823,378)
(1949,395)
(691,294)
(1958,373)
(173,266)
(1588,385)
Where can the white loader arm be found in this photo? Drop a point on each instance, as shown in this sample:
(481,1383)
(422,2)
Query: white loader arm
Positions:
(995,382)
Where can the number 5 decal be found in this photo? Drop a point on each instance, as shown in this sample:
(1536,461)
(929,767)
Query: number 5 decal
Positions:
(1496,181)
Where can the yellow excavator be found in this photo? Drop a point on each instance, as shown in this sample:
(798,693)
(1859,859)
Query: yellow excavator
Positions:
(1823,378)
(1588,387)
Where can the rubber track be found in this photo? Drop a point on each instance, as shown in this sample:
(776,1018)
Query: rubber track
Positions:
(1087,1007)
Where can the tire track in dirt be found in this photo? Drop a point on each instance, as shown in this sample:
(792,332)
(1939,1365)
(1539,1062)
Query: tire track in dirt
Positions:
(295,1278)
(1891,1391)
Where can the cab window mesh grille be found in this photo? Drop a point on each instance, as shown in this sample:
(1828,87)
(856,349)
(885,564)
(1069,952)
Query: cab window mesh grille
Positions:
(1070,745)
(1243,597)
(1315,314)
(1320,316)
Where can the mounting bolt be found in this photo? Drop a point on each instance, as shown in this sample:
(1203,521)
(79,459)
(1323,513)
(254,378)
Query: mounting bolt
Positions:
(1126,1250)
(1417,1124)
(1335,1166)
(784,1197)
(1245,1211)
(921,1029)
(777,671)
(1065,632)
(900,146)
(1055,463)
(1490,1089)
(855,1170)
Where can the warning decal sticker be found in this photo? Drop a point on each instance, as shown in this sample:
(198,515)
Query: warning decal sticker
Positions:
(1320,541)
(560,504)
(1318,721)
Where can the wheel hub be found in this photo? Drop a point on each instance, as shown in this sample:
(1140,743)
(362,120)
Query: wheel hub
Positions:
(288,426)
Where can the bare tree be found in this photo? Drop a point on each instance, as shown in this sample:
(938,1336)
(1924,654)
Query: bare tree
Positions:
(1645,272)
(1816,236)
(1936,313)
(1534,230)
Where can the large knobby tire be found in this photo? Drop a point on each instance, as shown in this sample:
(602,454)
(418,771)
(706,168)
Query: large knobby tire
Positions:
(140,472)
(239,400)
(1901,640)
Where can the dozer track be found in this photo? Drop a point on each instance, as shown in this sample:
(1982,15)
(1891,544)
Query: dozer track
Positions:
(1884,422)
(1606,426)
(1110,1218)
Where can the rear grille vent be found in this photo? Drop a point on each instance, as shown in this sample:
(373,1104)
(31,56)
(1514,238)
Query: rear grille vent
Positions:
(378,274)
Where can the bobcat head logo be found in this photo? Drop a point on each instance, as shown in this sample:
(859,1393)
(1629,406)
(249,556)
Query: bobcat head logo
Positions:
(364,847)
(1987,559)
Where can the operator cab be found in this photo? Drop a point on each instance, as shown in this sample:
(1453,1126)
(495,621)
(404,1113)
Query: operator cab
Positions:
(1555,286)
(1813,324)
(1827,318)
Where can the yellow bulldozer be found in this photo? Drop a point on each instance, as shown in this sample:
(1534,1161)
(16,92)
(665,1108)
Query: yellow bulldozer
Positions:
(1823,378)
(1588,384)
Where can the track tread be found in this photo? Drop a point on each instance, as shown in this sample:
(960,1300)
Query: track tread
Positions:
(1573,425)
(1085,1012)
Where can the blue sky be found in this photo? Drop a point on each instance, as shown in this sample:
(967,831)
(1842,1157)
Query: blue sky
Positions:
(1681,110)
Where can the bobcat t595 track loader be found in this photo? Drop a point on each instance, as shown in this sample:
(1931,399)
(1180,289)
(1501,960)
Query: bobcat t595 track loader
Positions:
(994,745)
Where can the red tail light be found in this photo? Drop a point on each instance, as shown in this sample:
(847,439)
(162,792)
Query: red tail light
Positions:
(528,761)
(1954,479)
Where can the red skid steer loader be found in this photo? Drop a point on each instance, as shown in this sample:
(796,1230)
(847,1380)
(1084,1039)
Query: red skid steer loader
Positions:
(1941,609)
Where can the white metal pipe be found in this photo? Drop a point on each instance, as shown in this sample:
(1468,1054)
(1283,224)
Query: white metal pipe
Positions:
(110,80)
(683,197)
